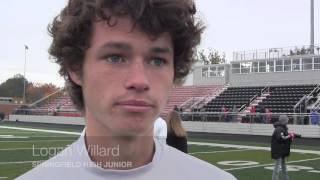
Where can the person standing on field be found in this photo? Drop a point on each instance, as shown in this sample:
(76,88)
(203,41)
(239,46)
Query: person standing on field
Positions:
(280,147)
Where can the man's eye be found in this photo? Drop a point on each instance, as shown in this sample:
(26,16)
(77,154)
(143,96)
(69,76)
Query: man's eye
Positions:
(158,62)
(115,59)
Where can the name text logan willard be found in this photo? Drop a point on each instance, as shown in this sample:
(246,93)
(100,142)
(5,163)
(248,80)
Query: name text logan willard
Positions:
(95,150)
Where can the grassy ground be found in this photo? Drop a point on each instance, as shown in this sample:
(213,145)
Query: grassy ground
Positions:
(20,150)
(250,143)
(261,164)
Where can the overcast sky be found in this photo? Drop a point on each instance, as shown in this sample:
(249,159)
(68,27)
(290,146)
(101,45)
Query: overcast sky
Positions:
(232,25)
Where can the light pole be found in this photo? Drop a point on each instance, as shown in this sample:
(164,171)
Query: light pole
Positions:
(312,26)
(24,73)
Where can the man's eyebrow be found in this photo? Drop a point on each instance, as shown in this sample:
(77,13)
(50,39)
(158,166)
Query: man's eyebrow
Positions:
(164,50)
(117,45)
(128,47)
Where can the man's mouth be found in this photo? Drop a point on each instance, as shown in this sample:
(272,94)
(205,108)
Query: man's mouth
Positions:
(135,105)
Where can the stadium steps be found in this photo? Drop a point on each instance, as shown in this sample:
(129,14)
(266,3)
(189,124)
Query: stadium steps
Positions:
(258,100)
(179,95)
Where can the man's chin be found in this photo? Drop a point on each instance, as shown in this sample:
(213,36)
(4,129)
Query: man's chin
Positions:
(130,135)
(132,131)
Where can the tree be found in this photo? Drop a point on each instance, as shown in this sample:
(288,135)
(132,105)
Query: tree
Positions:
(34,93)
(48,88)
(13,87)
(212,57)
(38,91)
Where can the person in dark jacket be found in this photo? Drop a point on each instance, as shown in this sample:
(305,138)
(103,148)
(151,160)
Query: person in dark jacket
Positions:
(262,116)
(177,136)
(280,147)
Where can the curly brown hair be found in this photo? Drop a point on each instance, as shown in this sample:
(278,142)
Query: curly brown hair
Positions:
(72,29)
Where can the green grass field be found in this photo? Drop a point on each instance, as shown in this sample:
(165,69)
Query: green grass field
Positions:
(21,149)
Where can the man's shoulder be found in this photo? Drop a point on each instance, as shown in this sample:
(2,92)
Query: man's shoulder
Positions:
(193,167)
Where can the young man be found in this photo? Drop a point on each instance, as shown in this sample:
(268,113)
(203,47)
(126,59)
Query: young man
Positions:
(120,58)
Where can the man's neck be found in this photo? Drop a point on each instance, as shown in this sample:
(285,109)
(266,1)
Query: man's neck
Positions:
(118,152)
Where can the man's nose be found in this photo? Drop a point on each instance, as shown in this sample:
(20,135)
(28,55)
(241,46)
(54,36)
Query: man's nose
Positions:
(137,77)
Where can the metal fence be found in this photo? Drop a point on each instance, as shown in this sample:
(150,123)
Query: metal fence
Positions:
(272,53)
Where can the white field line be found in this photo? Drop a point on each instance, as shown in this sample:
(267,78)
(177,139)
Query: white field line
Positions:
(250,147)
(262,165)
(13,137)
(31,132)
(41,130)
(23,132)
(211,152)
(32,136)
(3,177)
(39,141)
(17,149)
(17,162)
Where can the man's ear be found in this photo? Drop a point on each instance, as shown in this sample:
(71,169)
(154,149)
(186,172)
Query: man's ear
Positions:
(75,77)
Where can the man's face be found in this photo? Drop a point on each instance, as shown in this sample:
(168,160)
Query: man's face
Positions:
(126,78)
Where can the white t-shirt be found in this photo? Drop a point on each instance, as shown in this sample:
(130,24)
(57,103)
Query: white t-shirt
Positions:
(167,163)
(160,130)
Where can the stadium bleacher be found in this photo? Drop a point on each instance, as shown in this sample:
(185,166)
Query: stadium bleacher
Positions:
(282,99)
(63,106)
(233,96)
(59,106)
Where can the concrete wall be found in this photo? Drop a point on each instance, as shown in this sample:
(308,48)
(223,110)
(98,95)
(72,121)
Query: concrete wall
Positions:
(199,80)
(309,131)
(48,119)
(227,69)
(188,80)
(259,79)
(275,78)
